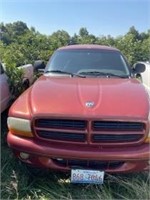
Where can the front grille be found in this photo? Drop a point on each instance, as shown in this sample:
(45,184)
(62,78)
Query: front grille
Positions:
(90,132)
(61,124)
(112,138)
(89,164)
(117,126)
(53,135)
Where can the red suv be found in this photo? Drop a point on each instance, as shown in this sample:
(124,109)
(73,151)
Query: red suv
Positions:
(87,111)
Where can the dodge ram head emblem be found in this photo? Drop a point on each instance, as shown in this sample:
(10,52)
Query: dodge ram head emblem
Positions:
(89,104)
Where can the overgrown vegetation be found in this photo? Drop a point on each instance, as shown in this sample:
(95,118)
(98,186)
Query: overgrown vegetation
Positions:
(15,80)
(21,45)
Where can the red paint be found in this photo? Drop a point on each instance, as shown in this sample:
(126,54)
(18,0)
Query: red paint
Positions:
(64,97)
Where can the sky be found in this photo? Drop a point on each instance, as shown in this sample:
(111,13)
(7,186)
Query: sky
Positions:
(100,17)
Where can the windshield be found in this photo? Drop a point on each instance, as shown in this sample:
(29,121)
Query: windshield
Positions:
(88,61)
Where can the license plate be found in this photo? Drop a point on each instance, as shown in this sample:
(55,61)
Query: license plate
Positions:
(87,176)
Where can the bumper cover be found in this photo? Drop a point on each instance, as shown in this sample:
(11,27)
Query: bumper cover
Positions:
(135,158)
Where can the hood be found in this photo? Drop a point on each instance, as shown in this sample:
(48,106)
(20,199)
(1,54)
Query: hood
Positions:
(68,97)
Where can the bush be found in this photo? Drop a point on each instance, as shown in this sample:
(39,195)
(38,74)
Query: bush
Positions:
(15,80)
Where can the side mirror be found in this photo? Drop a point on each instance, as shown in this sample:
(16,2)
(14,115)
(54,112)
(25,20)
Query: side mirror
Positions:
(138,68)
(39,65)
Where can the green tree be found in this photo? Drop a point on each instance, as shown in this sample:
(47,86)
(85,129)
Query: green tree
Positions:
(20,45)
(14,55)
(2,50)
(11,31)
(83,32)
(59,38)
(131,46)
(145,49)
(85,38)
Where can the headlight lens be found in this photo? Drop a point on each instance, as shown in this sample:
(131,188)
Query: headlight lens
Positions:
(148,137)
(18,126)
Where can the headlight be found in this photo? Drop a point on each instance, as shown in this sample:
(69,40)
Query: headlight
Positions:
(148,137)
(18,126)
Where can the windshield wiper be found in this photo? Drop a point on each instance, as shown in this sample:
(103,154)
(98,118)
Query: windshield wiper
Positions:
(63,72)
(96,73)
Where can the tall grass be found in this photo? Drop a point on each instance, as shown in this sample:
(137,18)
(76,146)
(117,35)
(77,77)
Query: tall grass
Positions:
(18,183)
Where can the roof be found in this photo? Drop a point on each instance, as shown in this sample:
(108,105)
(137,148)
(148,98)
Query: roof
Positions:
(88,46)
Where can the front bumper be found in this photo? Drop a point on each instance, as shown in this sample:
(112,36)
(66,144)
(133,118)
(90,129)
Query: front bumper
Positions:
(43,154)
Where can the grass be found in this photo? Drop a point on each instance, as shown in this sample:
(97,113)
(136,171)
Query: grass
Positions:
(18,183)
